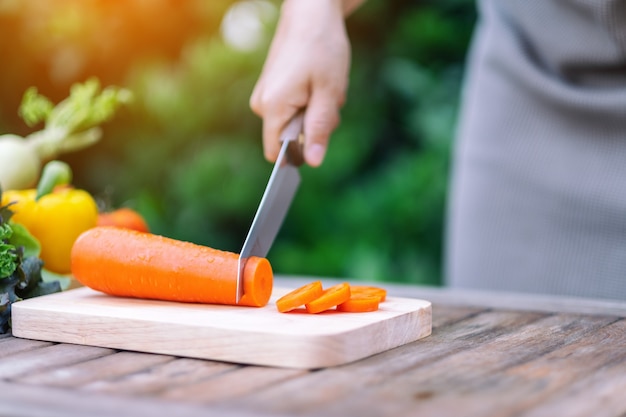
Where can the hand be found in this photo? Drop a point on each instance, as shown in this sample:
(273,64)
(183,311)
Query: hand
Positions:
(307,67)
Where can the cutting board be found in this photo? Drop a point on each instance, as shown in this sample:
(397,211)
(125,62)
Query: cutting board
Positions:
(248,335)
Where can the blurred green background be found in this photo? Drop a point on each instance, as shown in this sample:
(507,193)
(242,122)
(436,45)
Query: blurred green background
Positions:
(187,154)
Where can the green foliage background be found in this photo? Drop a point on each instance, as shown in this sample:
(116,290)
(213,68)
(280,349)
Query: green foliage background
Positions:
(188,153)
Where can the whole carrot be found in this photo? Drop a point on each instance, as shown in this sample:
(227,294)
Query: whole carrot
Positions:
(128,263)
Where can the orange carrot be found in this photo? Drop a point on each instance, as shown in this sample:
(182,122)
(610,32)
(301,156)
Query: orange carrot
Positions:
(330,298)
(128,263)
(299,296)
(369,290)
(359,303)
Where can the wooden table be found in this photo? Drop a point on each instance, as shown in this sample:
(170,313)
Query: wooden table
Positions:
(490,354)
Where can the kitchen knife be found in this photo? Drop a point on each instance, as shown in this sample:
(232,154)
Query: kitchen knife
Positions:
(281,188)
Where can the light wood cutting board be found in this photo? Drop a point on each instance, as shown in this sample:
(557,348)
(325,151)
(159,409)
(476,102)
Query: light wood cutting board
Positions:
(248,335)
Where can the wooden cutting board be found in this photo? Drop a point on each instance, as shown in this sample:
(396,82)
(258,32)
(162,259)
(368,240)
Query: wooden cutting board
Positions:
(248,335)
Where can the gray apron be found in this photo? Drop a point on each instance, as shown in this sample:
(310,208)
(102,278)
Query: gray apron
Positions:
(538,195)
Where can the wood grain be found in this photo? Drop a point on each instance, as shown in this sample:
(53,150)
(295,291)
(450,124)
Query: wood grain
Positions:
(47,358)
(480,360)
(38,401)
(260,336)
(10,346)
(334,385)
(109,367)
(441,387)
(230,386)
(182,372)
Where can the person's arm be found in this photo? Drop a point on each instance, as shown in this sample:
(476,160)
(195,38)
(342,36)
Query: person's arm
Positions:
(307,67)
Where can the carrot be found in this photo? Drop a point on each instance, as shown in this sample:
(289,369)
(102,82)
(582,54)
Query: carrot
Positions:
(369,290)
(299,296)
(330,298)
(129,263)
(359,303)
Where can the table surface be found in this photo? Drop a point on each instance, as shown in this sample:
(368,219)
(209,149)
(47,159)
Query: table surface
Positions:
(490,354)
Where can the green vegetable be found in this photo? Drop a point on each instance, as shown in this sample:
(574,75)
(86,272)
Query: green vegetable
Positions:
(71,125)
(23,238)
(8,255)
(20,267)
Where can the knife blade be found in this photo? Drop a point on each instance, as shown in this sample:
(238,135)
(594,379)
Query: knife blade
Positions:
(279,192)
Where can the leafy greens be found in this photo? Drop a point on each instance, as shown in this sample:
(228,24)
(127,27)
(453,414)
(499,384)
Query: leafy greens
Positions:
(20,267)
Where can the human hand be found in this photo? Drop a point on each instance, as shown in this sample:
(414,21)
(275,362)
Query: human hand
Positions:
(307,68)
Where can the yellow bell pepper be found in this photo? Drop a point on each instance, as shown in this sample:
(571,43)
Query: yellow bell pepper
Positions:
(56,219)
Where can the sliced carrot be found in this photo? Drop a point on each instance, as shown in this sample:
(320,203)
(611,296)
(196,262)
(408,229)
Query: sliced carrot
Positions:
(299,296)
(129,263)
(359,303)
(370,290)
(330,298)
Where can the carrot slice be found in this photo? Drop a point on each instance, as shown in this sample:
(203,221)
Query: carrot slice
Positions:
(299,296)
(330,298)
(128,263)
(359,303)
(370,290)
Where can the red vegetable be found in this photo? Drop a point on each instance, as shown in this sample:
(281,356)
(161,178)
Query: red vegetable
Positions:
(123,217)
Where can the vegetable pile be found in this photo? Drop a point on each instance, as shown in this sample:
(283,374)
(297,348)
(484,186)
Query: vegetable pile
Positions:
(341,297)
(38,226)
(20,266)
(54,213)
(71,125)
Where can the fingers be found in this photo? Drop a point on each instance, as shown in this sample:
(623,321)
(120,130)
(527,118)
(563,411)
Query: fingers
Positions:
(273,124)
(306,68)
(322,117)
(276,107)
(320,120)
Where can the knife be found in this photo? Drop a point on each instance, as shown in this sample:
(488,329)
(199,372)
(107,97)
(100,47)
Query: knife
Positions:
(281,188)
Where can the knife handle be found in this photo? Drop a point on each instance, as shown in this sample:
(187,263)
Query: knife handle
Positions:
(293,133)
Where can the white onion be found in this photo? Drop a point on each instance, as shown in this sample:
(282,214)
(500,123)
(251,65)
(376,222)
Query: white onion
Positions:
(19,163)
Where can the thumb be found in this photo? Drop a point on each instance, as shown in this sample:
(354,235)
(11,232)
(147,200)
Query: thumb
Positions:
(321,118)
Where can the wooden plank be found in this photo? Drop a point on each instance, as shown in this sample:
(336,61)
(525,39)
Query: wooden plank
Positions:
(11,346)
(577,376)
(47,358)
(599,393)
(177,373)
(477,381)
(313,391)
(446,315)
(188,379)
(102,368)
(232,385)
(260,336)
(24,400)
